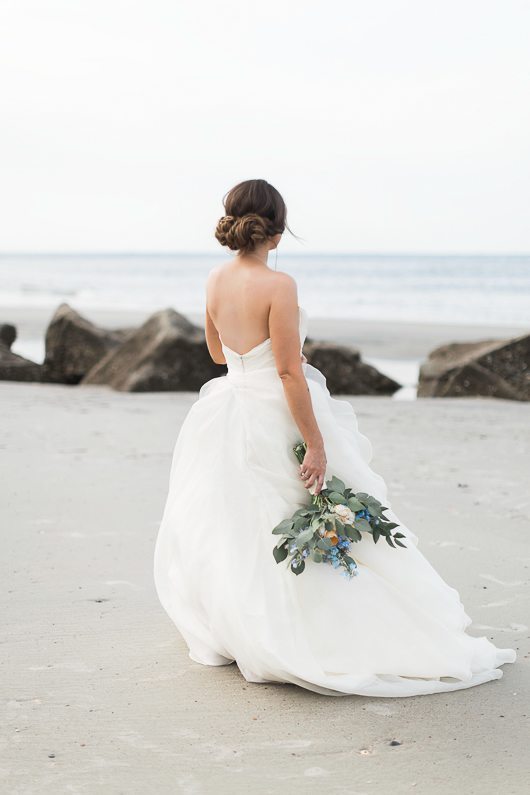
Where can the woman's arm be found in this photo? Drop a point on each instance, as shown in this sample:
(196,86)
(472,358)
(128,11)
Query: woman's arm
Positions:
(284,331)
(213,341)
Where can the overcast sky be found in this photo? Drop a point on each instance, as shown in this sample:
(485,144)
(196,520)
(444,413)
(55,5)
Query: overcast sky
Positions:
(387,125)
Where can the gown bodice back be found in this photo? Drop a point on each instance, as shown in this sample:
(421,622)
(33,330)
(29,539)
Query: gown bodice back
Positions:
(260,357)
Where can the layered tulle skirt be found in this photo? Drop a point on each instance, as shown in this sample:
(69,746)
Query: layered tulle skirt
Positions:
(396,629)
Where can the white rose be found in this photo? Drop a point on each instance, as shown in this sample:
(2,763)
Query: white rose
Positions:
(344,513)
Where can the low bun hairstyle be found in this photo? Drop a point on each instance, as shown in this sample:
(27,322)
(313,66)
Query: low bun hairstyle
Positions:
(255,211)
(243,233)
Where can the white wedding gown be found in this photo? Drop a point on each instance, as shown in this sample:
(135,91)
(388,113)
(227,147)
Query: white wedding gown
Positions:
(396,629)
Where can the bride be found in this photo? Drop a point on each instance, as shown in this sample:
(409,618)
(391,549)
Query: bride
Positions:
(397,628)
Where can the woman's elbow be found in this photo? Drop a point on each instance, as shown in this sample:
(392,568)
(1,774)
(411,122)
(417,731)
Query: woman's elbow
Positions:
(290,372)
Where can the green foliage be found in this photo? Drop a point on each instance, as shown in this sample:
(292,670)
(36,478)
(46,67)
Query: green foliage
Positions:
(354,504)
(303,534)
(284,528)
(300,567)
(336,498)
(280,553)
(336,485)
(353,533)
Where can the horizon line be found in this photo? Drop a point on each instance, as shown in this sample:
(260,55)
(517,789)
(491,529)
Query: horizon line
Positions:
(183,253)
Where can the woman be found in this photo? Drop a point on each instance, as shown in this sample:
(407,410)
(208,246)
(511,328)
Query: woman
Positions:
(396,629)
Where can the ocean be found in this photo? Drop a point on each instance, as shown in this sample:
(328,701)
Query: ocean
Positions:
(445,289)
(435,289)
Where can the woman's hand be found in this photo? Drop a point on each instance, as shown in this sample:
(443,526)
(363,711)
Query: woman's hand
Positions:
(313,468)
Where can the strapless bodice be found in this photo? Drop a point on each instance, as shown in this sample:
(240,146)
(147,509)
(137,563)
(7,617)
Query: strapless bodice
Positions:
(260,356)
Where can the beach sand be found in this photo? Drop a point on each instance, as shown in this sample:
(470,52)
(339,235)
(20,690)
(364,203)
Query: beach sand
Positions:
(100,695)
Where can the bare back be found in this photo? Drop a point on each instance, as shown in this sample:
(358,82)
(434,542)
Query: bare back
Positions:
(239,297)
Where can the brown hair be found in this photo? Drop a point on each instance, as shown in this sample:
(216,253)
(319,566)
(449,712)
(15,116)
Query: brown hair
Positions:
(254,211)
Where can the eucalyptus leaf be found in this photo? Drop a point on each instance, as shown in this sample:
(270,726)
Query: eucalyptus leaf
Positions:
(304,537)
(400,543)
(355,504)
(376,535)
(337,498)
(299,569)
(302,511)
(335,484)
(280,553)
(283,527)
(352,533)
(287,534)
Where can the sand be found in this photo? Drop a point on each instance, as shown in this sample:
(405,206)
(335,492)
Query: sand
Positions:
(99,693)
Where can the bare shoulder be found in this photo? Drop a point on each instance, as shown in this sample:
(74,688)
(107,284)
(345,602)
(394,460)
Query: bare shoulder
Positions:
(284,282)
(214,272)
(217,270)
(213,277)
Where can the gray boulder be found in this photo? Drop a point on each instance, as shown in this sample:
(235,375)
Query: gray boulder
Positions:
(167,353)
(12,366)
(345,371)
(8,334)
(487,368)
(74,345)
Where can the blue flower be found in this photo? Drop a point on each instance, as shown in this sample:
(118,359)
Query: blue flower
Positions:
(305,553)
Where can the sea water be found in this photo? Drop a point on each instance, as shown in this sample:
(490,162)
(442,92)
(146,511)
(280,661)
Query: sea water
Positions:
(445,289)
(408,288)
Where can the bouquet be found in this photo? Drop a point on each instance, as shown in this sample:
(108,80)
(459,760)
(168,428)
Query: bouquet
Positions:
(325,529)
